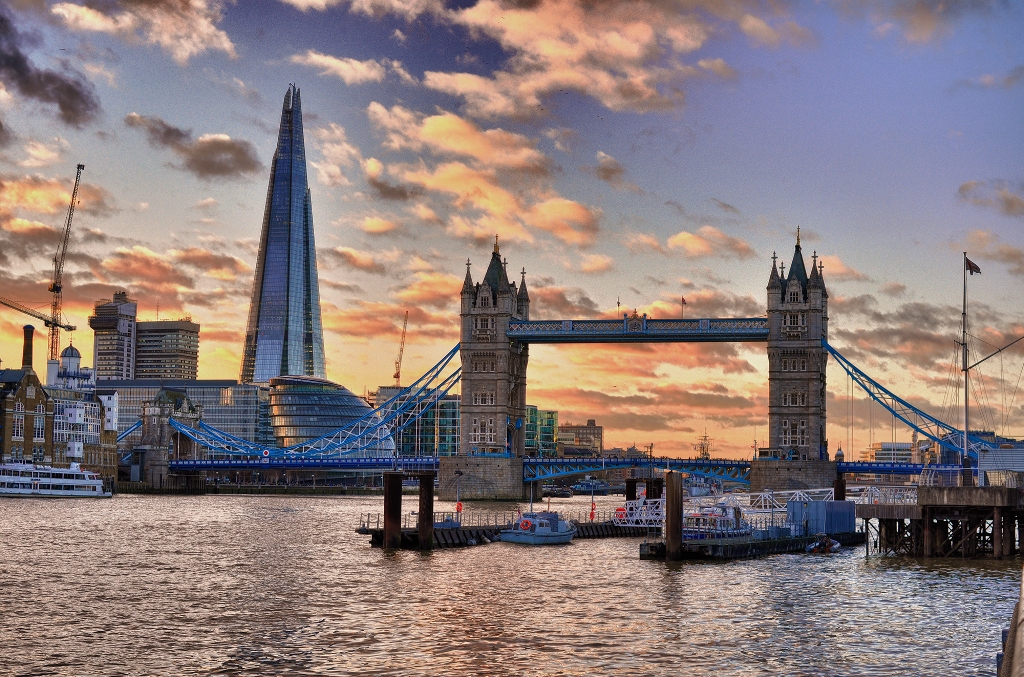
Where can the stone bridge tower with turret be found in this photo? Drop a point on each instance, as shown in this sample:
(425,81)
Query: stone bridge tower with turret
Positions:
(493,407)
(797,323)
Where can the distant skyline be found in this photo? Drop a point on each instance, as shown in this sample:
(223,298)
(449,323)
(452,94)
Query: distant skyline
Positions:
(634,152)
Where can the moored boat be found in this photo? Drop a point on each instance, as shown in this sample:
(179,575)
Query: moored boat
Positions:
(823,546)
(540,528)
(43,481)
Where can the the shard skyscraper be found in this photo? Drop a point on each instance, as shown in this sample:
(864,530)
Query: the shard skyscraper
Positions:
(284,336)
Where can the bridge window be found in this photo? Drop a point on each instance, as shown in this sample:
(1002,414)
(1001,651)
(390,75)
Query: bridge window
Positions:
(802,434)
(483,398)
(785,364)
(803,365)
(794,296)
(485,302)
(786,438)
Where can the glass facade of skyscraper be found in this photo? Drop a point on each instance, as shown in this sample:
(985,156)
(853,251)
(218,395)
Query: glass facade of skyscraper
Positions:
(284,335)
(304,408)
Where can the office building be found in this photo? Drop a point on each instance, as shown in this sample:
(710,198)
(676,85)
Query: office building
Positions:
(303,408)
(113,324)
(284,336)
(541,432)
(167,349)
(435,432)
(589,436)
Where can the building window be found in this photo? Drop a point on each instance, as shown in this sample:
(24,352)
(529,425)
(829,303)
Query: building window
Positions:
(30,392)
(485,302)
(18,426)
(785,365)
(483,398)
(802,434)
(785,399)
(803,365)
(39,428)
(794,296)
(786,439)
(19,406)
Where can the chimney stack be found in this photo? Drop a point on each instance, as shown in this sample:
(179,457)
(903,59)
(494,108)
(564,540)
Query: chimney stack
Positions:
(26,355)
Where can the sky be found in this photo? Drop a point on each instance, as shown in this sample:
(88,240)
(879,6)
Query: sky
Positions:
(629,153)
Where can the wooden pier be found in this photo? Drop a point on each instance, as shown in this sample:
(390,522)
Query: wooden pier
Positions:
(457,537)
(722,549)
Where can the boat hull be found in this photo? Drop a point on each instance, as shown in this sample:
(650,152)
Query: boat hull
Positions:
(533,538)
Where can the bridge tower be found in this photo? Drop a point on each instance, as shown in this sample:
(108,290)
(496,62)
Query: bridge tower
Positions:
(797,322)
(493,407)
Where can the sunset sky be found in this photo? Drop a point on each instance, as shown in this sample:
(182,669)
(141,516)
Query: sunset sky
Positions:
(623,151)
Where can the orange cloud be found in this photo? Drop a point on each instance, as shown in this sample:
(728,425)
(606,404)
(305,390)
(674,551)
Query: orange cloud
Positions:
(432,289)
(709,241)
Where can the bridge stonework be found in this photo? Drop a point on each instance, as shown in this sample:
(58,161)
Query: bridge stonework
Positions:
(797,322)
(493,407)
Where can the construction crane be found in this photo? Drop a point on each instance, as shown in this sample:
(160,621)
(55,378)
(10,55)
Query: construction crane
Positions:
(58,274)
(401,352)
(47,321)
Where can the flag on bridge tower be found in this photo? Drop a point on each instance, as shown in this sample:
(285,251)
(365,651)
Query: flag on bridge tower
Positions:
(972,267)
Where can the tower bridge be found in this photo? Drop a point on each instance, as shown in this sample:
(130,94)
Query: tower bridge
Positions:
(496,333)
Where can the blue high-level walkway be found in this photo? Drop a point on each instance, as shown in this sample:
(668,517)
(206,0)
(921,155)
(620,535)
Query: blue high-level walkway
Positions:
(639,329)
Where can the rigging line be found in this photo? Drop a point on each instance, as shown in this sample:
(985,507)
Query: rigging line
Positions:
(978,338)
(1015,389)
(985,401)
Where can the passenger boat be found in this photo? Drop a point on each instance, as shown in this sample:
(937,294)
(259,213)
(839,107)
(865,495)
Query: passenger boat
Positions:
(540,528)
(592,487)
(823,546)
(27,479)
(715,521)
(554,491)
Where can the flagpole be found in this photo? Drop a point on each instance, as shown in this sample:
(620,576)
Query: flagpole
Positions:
(965,460)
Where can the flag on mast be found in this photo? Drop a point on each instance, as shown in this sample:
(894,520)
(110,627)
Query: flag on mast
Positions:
(972,267)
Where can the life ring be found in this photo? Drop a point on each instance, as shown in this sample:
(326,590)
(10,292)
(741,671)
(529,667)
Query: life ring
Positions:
(458,507)
(620,513)
(525,525)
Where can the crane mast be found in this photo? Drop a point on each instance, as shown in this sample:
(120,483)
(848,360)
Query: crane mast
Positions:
(401,352)
(58,273)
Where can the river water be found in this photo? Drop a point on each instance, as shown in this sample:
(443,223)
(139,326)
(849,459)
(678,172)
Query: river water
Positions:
(281,585)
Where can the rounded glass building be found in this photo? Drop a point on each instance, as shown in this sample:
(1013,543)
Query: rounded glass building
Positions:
(304,408)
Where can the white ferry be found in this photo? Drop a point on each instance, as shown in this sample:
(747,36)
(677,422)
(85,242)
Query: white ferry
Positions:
(27,479)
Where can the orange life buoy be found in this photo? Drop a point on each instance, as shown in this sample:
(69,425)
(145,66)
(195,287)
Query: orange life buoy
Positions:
(525,525)
(620,512)
(458,507)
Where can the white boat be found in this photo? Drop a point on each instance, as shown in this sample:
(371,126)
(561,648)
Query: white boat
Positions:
(27,479)
(540,528)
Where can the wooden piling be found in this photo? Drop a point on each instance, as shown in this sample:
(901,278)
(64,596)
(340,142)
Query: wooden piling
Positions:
(393,510)
(1008,541)
(839,488)
(929,532)
(997,532)
(631,489)
(673,516)
(654,487)
(425,517)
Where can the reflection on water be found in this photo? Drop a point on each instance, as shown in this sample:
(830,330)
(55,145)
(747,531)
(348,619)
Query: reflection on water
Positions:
(236,585)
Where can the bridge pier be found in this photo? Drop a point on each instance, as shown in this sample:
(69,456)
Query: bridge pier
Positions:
(673,516)
(631,488)
(393,510)
(425,516)
(482,478)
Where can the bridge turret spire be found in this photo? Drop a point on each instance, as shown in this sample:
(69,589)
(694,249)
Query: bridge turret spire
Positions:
(467,285)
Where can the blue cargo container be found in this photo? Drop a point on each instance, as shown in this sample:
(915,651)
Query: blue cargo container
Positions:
(816,517)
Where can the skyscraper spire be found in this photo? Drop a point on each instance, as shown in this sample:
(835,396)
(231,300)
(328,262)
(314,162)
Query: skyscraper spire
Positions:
(284,336)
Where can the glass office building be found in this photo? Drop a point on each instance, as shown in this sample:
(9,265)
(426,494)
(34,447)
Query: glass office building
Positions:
(430,430)
(284,336)
(304,408)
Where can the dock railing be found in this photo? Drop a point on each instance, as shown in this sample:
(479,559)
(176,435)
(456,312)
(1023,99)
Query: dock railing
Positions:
(498,519)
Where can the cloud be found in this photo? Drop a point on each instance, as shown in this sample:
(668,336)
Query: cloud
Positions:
(211,156)
(44,195)
(638,243)
(217,266)
(989,81)
(450,135)
(985,245)
(184,28)
(39,154)
(725,206)
(760,33)
(338,153)
(374,225)
(353,258)
(719,67)
(431,288)
(350,71)
(609,170)
(143,266)
(998,195)
(73,95)
(709,241)
(569,221)
(384,190)
(894,289)
(835,269)
(920,21)
(596,263)
(552,302)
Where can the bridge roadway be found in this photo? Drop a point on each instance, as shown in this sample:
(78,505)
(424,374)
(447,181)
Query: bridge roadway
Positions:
(537,469)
